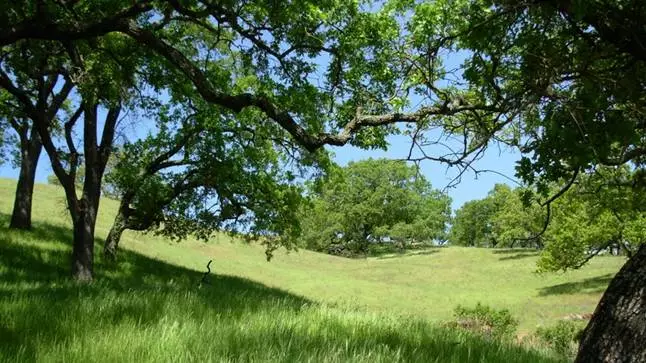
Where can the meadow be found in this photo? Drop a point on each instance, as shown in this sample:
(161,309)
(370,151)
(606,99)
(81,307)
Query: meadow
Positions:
(301,306)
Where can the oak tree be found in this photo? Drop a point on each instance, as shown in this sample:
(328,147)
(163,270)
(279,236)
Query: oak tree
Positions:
(374,201)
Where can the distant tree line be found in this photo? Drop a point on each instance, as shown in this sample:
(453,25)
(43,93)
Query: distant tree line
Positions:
(601,212)
(374,206)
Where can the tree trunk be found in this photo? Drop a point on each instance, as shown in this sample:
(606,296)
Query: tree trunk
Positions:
(617,331)
(83,245)
(30,153)
(118,226)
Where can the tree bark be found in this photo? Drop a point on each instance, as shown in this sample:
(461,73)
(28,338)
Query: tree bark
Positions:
(118,226)
(84,220)
(617,330)
(85,212)
(83,245)
(30,153)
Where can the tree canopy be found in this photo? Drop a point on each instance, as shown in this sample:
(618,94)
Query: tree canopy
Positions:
(499,220)
(213,172)
(600,213)
(374,201)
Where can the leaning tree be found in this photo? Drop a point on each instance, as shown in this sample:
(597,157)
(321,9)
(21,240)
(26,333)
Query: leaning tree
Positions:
(212,171)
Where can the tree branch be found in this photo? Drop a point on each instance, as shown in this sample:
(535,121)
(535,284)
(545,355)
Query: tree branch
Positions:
(21,129)
(89,132)
(614,31)
(236,103)
(107,138)
(59,98)
(19,94)
(627,156)
(36,28)
(548,206)
(66,180)
(69,125)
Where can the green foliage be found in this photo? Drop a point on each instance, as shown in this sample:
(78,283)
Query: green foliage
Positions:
(562,338)
(253,74)
(578,94)
(562,84)
(602,212)
(374,201)
(471,225)
(499,220)
(485,320)
(214,172)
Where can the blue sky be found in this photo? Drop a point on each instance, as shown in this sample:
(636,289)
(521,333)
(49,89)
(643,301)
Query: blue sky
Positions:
(469,188)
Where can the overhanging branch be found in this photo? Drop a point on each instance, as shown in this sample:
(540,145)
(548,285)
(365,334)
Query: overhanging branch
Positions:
(37,28)
(237,103)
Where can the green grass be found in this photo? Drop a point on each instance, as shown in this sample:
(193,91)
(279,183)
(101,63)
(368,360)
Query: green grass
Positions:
(301,306)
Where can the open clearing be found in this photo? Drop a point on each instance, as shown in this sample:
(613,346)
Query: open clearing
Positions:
(375,309)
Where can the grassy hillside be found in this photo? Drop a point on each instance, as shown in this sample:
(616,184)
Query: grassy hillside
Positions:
(148,306)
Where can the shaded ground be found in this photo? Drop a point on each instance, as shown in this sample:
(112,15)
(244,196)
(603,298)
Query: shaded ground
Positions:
(592,285)
(144,309)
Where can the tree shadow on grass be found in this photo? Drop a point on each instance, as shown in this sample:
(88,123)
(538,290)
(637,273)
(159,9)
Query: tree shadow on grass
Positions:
(592,285)
(409,254)
(38,299)
(24,262)
(519,256)
(508,251)
(41,310)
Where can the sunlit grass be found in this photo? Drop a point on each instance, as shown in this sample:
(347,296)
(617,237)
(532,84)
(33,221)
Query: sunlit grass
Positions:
(301,306)
(149,311)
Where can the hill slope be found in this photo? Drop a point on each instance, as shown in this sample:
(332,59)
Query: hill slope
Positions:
(151,294)
(428,285)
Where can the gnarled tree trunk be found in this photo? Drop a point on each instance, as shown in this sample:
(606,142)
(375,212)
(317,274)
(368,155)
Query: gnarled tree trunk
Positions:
(30,149)
(83,210)
(617,331)
(114,236)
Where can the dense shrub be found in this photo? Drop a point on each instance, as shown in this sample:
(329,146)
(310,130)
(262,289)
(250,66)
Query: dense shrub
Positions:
(562,338)
(485,320)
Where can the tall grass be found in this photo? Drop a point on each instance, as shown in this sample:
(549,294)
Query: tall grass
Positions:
(145,310)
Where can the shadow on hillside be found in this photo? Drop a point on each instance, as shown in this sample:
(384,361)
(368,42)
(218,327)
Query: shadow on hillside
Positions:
(408,254)
(34,283)
(45,311)
(31,264)
(590,285)
(508,251)
(519,256)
